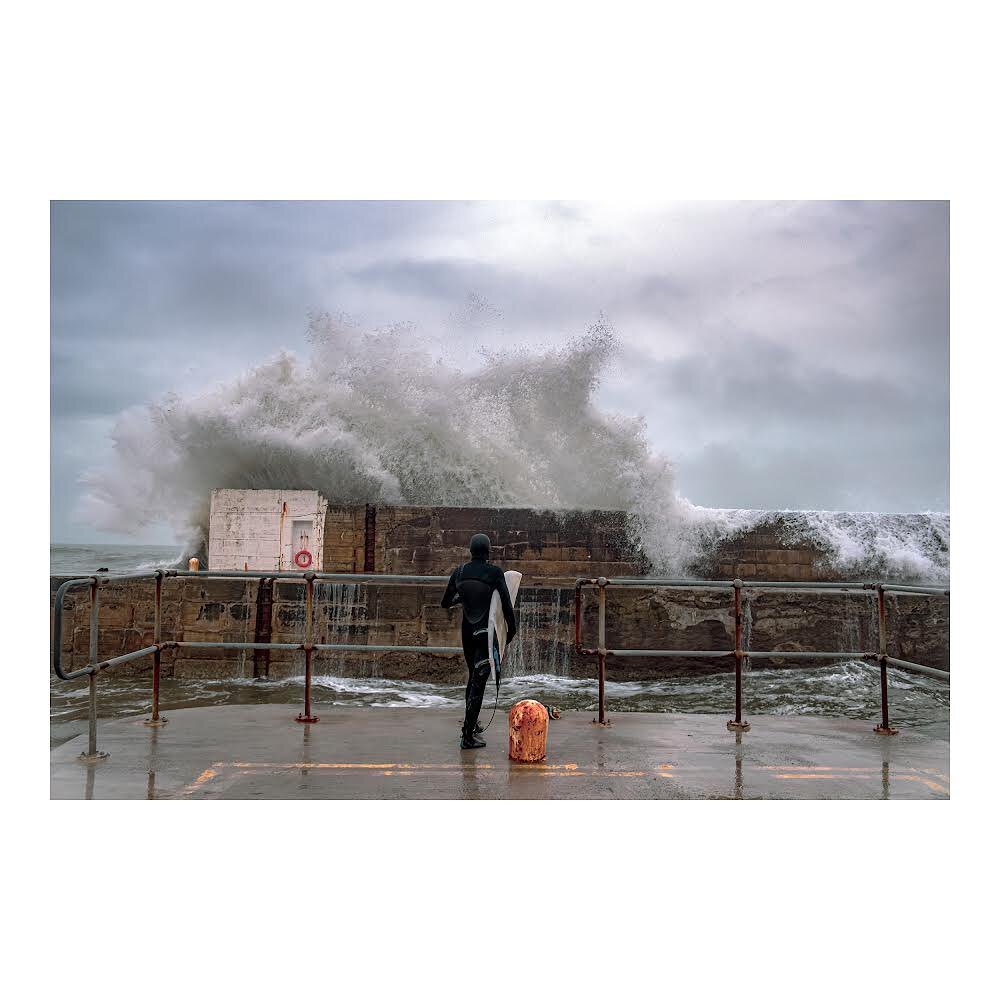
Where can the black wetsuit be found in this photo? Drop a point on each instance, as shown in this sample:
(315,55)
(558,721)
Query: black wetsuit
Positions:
(472,585)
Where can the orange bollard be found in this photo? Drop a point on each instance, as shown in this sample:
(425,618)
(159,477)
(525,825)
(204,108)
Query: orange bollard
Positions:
(529,727)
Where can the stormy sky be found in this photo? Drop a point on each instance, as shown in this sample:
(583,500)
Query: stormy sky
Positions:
(784,355)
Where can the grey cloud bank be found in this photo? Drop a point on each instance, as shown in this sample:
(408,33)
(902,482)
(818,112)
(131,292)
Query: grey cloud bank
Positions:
(783,355)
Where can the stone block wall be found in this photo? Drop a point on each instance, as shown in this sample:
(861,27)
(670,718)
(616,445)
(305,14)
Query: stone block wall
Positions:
(764,554)
(551,549)
(226,610)
(344,539)
(430,541)
(542,545)
(546,545)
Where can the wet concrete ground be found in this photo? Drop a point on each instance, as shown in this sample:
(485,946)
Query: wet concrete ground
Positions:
(259,751)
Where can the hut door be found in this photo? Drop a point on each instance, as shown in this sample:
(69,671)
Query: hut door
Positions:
(302,532)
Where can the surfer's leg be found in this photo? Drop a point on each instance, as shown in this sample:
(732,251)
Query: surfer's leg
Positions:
(479,674)
(475,649)
(481,652)
(468,695)
(469,649)
(468,687)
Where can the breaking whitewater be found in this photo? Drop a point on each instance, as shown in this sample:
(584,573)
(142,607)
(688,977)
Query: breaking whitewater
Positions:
(377,417)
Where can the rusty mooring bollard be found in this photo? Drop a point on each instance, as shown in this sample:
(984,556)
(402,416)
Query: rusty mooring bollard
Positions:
(193,564)
(529,727)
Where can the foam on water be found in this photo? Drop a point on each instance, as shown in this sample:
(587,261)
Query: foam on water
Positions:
(377,417)
(849,689)
(70,560)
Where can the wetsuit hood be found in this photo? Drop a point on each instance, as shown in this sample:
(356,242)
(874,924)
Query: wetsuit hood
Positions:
(479,546)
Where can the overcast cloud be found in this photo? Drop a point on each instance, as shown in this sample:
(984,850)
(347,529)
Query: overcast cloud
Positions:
(784,355)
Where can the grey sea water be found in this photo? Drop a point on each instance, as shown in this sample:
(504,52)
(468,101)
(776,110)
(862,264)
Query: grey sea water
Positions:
(845,690)
(68,560)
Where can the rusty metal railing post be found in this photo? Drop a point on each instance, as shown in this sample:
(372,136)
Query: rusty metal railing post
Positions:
(307,715)
(95,607)
(578,617)
(155,719)
(883,728)
(737,725)
(577,607)
(602,650)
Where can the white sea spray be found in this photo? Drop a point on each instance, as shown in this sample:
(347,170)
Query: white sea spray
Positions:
(378,417)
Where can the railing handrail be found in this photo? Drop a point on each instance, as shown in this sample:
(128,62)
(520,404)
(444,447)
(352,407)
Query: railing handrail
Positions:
(854,586)
(889,586)
(162,574)
(274,574)
(57,629)
(307,577)
(877,590)
(310,578)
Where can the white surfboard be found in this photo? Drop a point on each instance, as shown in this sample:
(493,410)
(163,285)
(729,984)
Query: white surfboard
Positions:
(497,634)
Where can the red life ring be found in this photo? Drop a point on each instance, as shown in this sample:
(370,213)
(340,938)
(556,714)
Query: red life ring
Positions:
(303,559)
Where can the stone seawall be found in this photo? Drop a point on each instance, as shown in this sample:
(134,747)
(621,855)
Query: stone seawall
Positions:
(551,549)
(249,611)
(431,541)
(551,545)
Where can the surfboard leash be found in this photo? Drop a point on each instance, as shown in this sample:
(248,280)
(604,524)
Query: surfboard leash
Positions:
(496,703)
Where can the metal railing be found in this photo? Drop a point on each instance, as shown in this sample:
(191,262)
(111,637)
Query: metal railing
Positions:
(95,666)
(738,724)
(309,579)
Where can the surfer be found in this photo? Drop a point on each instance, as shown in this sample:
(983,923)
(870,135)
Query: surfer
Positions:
(472,585)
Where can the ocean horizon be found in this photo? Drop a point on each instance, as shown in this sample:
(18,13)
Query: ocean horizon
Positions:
(67,559)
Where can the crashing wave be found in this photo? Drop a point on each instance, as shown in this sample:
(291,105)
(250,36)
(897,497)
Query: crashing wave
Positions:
(375,417)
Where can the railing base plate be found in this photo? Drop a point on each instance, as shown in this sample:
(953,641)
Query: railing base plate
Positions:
(738,727)
(162,721)
(606,723)
(306,718)
(93,758)
(883,731)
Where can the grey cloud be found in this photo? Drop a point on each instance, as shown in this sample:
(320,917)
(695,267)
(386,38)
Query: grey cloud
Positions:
(425,278)
(751,422)
(758,380)
(808,477)
(443,284)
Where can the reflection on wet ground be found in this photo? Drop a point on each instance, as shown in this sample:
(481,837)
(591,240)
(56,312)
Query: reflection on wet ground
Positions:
(845,690)
(251,752)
